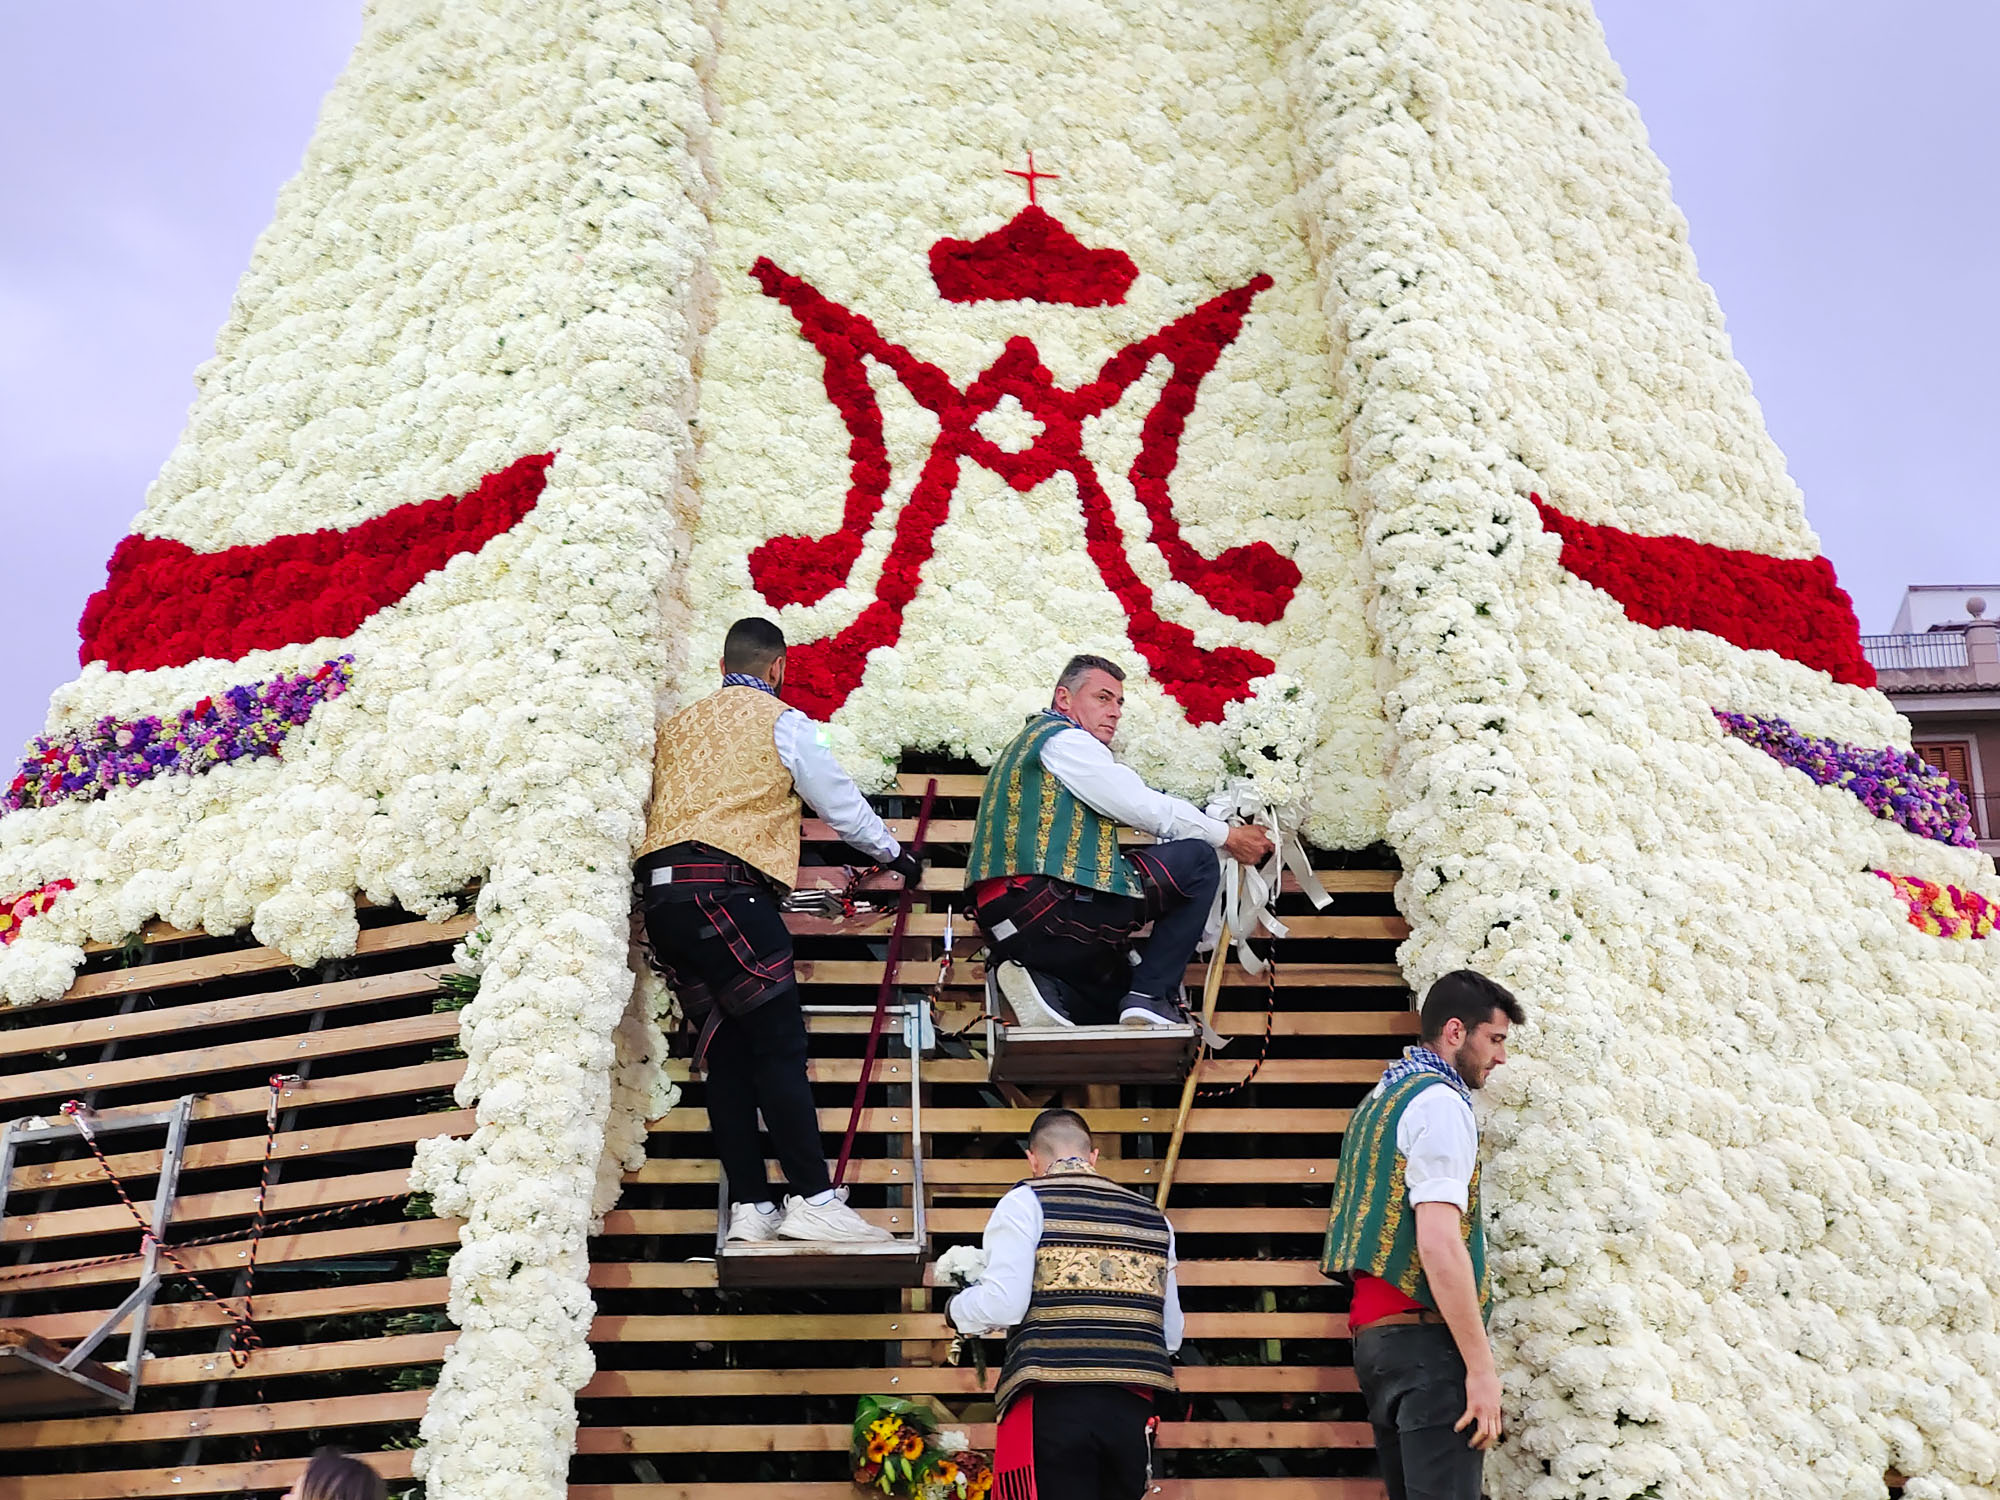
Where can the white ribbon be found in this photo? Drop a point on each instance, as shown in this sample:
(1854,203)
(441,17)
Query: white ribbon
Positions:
(1248,899)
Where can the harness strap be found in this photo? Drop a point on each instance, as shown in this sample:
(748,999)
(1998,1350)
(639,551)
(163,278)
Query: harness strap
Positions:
(889,963)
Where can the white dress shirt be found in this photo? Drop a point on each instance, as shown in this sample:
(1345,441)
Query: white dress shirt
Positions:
(827,789)
(1082,762)
(1439,1139)
(999,1299)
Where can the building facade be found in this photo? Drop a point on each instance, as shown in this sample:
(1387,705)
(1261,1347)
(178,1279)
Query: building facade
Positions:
(1941,670)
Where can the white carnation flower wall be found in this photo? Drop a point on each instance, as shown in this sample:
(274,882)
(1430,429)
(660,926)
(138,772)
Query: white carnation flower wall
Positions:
(497,247)
(1742,1169)
(850,140)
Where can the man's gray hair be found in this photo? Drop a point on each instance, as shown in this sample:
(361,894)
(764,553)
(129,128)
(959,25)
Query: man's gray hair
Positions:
(1082,666)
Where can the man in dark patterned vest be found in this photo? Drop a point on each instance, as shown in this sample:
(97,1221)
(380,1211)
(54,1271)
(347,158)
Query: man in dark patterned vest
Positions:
(1406,1227)
(1058,900)
(1081,1270)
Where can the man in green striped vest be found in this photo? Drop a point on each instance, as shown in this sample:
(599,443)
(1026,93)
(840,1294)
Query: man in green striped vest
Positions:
(1058,899)
(1406,1228)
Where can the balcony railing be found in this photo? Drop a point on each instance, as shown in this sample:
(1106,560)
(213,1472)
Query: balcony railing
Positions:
(1915,653)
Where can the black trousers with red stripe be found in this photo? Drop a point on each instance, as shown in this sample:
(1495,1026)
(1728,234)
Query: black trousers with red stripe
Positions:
(722,944)
(1084,937)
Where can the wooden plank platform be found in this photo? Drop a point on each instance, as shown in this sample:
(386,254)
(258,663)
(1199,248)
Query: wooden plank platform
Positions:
(708,1388)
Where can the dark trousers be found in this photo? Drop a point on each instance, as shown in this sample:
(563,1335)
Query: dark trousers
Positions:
(1082,937)
(1414,1381)
(1091,1442)
(727,947)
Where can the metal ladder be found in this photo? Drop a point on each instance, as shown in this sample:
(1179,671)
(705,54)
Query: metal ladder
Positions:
(45,1378)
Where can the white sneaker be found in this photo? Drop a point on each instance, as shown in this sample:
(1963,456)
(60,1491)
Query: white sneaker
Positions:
(752,1225)
(1031,1007)
(831,1223)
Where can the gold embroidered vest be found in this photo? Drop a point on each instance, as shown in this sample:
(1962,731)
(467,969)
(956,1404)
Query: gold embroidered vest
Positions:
(717,780)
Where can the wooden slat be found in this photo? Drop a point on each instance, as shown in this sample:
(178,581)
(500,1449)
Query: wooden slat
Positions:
(967,936)
(988,1177)
(394,1352)
(181,972)
(680,1328)
(692,1119)
(292,1145)
(945,879)
(1231,1023)
(218,1421)
(281,1051)
(272,1307)
(659,1275)
(939,1380)
(830,1437)
(196,1208)
(276,1249)
(971,973)
(970,1221)
(272,1475)
(411,984)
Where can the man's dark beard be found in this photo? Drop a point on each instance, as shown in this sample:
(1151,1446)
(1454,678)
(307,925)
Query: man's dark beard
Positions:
(1458,1062)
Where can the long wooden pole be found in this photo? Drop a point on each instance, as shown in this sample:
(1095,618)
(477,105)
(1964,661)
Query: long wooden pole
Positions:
(1210,989)
(890,965)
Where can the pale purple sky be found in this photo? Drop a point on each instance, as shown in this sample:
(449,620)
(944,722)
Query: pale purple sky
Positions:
(1835,162)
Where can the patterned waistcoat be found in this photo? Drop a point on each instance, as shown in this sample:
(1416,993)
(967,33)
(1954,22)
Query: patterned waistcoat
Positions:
(1372,1227)
(717,779)
(1097,1313)
(1030,824)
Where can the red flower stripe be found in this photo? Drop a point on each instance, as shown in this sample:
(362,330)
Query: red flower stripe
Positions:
(165,604)
(1253,582)
(1792,606)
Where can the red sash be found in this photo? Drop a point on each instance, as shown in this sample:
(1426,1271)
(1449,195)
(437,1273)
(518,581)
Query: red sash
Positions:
(1014,1451)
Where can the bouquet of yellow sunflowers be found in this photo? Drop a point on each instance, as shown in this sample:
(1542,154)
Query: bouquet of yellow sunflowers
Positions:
(898,1450)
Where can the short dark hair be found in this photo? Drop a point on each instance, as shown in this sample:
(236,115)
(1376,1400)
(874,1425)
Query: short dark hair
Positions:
(1469,996)
(1083,664)
(1056,1128)
(752,644)
(333,1475)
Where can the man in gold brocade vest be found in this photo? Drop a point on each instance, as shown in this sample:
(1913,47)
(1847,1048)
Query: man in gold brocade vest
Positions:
(721,851)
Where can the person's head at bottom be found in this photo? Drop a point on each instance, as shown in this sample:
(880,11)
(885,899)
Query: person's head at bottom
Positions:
(333,1475)
(1465,1020)
(1059,1135)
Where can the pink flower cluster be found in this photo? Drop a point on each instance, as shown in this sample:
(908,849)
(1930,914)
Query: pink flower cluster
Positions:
(1943,910)
(17,909)
(243,723)
(1890,783)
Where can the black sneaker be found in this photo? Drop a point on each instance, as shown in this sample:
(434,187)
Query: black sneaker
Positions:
(1034,1005)
(1150,1010)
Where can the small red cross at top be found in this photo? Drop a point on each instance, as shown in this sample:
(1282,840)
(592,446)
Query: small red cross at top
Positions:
(1031,176)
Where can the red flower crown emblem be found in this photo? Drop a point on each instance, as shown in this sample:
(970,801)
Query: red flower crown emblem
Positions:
(1031,258)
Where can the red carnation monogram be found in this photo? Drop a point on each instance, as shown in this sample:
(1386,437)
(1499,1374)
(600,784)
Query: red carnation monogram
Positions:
(1032,258)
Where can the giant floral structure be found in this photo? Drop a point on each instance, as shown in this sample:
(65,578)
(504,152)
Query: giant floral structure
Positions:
(1347,374)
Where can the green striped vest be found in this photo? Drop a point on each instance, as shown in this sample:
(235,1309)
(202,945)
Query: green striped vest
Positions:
(1097,1313)
(1372,1228)
(1030,824)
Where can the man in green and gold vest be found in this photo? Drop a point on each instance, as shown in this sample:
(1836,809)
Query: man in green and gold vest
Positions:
(1057,897)
(1406,1228)
(1080,1272)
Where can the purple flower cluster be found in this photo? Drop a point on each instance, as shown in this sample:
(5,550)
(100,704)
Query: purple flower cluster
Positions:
(1890,783)
(242,723)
